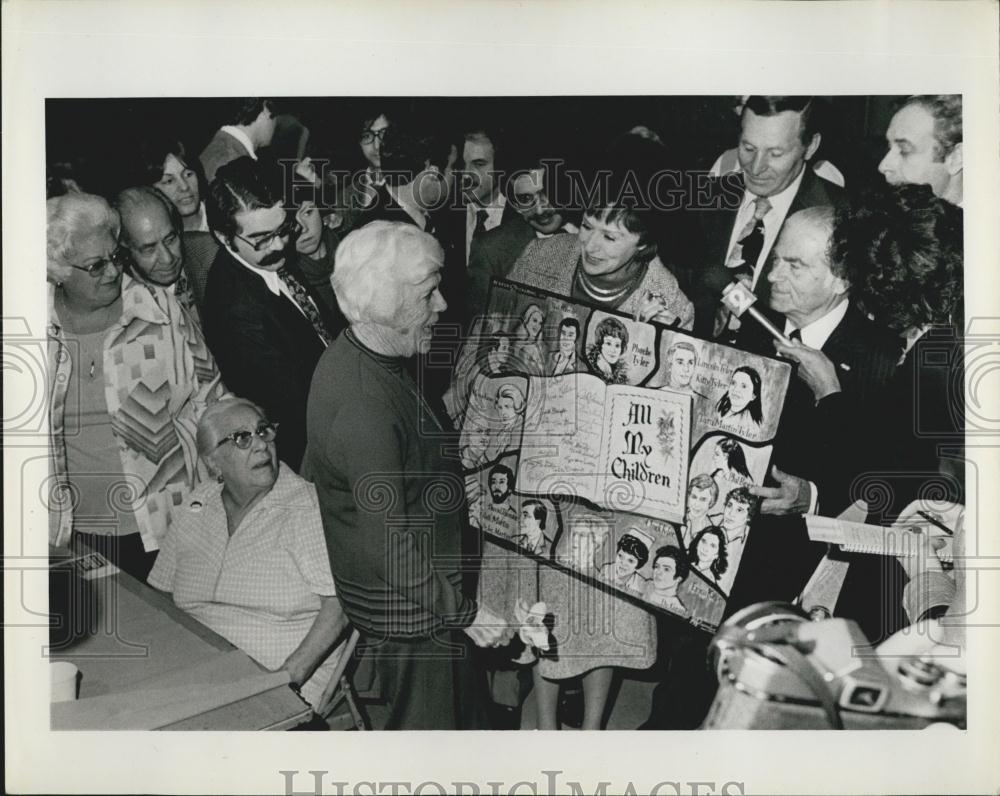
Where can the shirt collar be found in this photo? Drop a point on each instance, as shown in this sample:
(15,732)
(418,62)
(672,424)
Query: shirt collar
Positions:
(780,202)
(242,137)
(816,334)
(270,277)
(494,212)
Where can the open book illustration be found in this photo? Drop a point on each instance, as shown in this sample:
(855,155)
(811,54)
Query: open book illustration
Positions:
(599,421)
(620,447)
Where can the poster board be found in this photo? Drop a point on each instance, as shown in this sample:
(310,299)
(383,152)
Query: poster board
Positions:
(581,427)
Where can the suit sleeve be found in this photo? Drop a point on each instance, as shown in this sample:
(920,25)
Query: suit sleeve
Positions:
(254,367)
(481,271)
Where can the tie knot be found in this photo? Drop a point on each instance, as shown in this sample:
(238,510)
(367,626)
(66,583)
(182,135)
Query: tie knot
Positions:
(795,334)
(762,205)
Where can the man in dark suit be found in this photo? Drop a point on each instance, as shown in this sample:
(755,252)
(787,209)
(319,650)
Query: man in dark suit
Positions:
(266,326)
(527,215)
(814,459)
(778,137)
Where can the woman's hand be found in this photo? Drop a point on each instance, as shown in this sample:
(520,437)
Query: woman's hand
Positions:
(653,307)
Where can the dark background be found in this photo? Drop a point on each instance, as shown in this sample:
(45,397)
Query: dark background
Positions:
(96,135)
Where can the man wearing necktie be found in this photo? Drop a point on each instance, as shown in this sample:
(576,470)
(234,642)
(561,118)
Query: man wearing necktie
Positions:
(485,203)
(814,460)
(778,136)
(266,326)
(529,215)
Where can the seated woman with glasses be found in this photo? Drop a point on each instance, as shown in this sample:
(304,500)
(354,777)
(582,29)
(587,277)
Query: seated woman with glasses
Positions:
(129,376)
(246,554)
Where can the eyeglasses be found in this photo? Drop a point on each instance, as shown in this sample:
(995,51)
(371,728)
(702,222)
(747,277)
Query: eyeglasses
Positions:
(119,257)
(290,227)
(242,439)
(370,135)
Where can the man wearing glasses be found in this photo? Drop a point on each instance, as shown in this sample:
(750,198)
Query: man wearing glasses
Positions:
(265,324)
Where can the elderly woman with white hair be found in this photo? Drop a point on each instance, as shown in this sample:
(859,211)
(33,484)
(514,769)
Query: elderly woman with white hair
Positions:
(392,504)
(129,375)
(246,555)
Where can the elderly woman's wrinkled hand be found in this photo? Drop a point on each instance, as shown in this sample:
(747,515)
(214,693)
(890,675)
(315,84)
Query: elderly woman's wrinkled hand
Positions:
(488,629)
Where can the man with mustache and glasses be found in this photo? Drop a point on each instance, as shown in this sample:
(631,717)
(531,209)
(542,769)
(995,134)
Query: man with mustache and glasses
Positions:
(266,325)
(528,215)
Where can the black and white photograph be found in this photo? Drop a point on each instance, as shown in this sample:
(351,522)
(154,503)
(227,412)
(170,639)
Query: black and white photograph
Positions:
(408,396)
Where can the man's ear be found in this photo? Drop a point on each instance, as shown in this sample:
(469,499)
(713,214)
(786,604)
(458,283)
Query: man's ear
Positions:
(817,139)
(953,160)
(840,286)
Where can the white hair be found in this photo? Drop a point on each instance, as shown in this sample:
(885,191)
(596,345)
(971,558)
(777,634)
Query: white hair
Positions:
(207,438)
(370,265)
(67,217)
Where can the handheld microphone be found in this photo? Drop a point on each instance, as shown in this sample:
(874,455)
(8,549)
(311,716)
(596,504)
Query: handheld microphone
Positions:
(739,300)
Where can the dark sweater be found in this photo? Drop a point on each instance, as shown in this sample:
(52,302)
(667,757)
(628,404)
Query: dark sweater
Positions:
(393,508)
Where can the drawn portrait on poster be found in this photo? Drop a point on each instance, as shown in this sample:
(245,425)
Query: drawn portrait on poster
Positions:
(493,422)
(620,350)
(648,437)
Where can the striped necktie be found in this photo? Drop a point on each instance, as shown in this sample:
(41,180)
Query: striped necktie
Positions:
(745,254)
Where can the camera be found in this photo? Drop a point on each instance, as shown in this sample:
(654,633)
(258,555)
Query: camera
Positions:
(778,670)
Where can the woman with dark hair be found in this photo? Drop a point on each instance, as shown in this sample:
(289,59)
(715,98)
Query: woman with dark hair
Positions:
(730,462)
(741,403)
(606,355)
(631,555)
(902,247)
(707,553)
(613,262)
(163,163)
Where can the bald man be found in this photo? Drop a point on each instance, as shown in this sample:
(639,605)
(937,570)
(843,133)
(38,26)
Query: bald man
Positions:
(152,234)
(925,145)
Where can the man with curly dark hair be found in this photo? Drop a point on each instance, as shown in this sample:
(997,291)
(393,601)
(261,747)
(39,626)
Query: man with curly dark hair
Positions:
(904,248)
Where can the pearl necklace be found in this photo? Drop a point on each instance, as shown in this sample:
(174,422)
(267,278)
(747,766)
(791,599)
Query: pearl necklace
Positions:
(607,296)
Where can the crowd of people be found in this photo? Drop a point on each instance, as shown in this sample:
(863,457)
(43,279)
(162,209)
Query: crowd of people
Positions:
(247,396)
